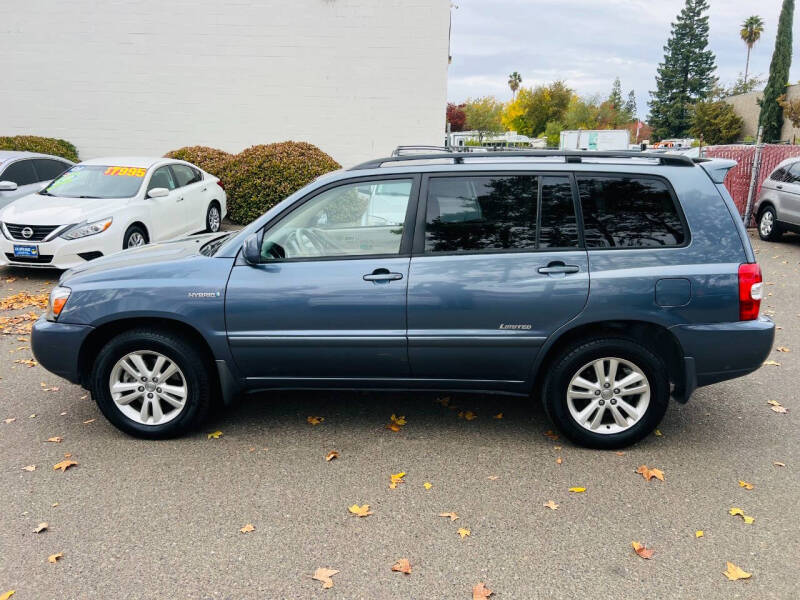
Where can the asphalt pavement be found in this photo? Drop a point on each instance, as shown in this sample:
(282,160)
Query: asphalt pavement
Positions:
(143,519)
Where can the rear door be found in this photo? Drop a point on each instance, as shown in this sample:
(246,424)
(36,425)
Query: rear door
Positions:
(24,175)
(789,190)
(497,267)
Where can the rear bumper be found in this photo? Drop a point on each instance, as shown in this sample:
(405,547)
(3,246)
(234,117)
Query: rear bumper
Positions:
(56,346)
(721,351)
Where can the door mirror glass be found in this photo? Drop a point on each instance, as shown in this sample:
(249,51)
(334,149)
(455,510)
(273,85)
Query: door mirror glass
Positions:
(251,250)
(7,186)
(158,192)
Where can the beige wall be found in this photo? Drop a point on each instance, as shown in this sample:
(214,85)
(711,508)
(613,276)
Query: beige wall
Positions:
(747,107)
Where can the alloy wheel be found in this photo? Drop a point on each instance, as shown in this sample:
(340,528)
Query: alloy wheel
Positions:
(213,219)
(148,387)
(767,223)
(136,239)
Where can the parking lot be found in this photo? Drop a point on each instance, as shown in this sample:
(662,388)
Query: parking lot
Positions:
(140,519)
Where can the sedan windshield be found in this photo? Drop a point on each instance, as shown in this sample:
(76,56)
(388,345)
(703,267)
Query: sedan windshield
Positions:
(97,181)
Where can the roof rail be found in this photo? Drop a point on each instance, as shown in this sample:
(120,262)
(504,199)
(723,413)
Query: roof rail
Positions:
(569,156)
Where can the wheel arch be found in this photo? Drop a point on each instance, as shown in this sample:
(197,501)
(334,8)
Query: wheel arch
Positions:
(139,224)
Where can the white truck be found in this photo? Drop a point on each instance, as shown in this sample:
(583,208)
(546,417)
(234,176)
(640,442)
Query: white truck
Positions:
(595,139)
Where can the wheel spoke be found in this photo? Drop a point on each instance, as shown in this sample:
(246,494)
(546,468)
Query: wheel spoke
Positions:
(174,402)
(585,383)
(582,395)
(168,372)
(629,380)
(138,361)
(628,408)
(130,369)
(158,366)
(125,400)
(639,389)
(598,417)
(144,412)
(158,414)
(174,390)
(600,371)
(584,415)
(612,369)
(619,418)
(120,387)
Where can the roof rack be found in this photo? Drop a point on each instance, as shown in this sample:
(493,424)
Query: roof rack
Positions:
(569,156)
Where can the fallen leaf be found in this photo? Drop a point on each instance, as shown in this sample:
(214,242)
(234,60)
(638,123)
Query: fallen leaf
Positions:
(247,528)
(324,575)
(779,464)
(733,572)
(782,349)
(396,479)
(464,532)
(469,415)
(745,485)
(402,566)
(556,447)
(773,402)
(28,362)
(29,468)
(315,421)
(7,595)
(736,511)
(493,477)
(443,401)
(772,363)
(398,420)
(215,435)
(23,300)
(657,433)
(551,434)
(53,558)
(619,453)
(33,416)
(63,413)
(559,460)
(481,592)
(54,504)
(64,465)
(427,485)
(9,421)
(577,490)
(89,421)
(498,416)
(778,408)
(330,455)
(551,505)
(40,528)
(642,550)
(360,511)
(699,533)
(648,473)
(393,427)
(451,515)
(56,439)
(748,520)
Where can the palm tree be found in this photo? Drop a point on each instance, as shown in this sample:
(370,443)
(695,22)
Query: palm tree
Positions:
(514,80)
(751,32)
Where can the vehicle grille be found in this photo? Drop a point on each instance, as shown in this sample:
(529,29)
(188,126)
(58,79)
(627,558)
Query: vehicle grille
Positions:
(42,259)
(39,232)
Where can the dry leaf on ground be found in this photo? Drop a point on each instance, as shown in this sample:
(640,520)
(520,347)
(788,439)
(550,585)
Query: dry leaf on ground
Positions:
(7,595)
(464,532)
(247,528)
(746,485)
(53,558)
(56,439)
(427,485)
(402,566)
(648,473)
(782,349)
(9,421)
(733,572)
(777,407)
(41,527)
(23,300)
(657,433)
(493,477)
(331,455)
(779,464)
(324,575)
(88,421)
(699,533)
(396,479)
(64,465)
(315,421)
(215,435)
(577,490)
(481,592)
(772,363)
(551,434)
(559,460)
(498,416)
(642,550)
(551,505)
(29,468)
(360,511)
(451,515)
(738,511)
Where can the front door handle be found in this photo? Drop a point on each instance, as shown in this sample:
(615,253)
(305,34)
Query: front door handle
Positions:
(558,268)
(382,275)
(780,187)
(179,199)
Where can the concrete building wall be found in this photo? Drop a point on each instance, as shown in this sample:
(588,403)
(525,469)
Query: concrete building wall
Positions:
(355,77)
(747,107)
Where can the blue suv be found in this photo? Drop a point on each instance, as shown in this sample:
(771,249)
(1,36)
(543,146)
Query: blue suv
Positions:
(603,284)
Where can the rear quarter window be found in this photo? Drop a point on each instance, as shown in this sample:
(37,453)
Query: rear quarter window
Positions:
(628,211)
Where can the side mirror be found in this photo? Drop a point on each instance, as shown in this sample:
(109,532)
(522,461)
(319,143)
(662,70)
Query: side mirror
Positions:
(7,186)
(158,193)
(251,250)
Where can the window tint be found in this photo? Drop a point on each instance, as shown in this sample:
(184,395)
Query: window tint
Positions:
(628,212)
(778,174)
(794,174)
(49,169)
(357,219)
(558,228)
(162,177)
(185,174)
(481,213)
(20,172)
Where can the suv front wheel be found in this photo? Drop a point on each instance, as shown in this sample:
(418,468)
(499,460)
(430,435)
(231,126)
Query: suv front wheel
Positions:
(606,392)
(768,227)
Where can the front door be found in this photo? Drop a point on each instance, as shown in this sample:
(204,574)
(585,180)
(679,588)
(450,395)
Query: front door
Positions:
(497,268)
(166,211)
(789,190)
(328,301)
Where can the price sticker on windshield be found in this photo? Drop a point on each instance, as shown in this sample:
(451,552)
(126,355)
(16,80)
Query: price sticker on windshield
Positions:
(126,171)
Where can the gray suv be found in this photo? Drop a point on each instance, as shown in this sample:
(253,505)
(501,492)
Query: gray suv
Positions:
(778,206)
(601,284)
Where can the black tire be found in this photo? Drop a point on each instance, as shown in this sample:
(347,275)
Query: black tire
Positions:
(194,368)
(765,232)
(130,236)
(568,363)
(210,228)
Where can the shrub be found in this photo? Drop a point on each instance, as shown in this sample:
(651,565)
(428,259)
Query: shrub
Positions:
(261,176)
(716,123)
(209,159)
(44,145)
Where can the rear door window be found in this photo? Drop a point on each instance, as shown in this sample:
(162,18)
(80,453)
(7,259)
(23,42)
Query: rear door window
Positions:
(621,211)
(185,175)
(48,169)
(20,172)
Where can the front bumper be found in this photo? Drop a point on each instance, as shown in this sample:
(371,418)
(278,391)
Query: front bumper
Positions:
(56,346)
(723,351)
(59,253)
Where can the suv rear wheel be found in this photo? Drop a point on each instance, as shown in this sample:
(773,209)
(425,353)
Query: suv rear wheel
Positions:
(768,227)
(606,392)
(151,384)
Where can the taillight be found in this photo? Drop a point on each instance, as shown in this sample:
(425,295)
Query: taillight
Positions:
(220,184)
(750,291)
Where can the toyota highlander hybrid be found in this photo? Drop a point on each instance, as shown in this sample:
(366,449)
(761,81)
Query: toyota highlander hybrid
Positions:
(105,205)
(601,284)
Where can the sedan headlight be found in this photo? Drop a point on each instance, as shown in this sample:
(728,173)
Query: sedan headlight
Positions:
(83,229)
(58,298)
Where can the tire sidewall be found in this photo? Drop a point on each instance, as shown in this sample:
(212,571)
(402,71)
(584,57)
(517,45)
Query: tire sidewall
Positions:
(208,217)
(775,233)
(131,230)
(188,361)
(564,368)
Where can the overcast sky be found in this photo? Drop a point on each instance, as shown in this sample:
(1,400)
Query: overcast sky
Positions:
(589,42)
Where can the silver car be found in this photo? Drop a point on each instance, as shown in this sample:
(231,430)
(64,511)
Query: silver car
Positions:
(23,173)
(778,206)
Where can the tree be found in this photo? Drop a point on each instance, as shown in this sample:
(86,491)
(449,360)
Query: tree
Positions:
(771,117)
(716,122)
(514,81)
(740,86)
(630,106)
(483,115)
(456,116)
(615,98)
(791,110)
(552,132)
(534,108)
(686,75)
(752,28)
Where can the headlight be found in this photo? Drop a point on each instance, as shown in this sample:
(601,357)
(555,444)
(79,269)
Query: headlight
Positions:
(83,229)
(58,298)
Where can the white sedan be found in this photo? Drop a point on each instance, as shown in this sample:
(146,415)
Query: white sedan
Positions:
(105,205)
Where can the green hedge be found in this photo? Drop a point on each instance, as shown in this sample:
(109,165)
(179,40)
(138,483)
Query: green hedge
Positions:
(34,143)
(211,160)
(261,176)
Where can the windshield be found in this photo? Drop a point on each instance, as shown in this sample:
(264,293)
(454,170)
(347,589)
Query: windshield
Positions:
(97,181)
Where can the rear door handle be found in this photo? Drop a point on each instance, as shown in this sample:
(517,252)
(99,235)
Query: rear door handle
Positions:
(555,268)
(179,199)
(382,275)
